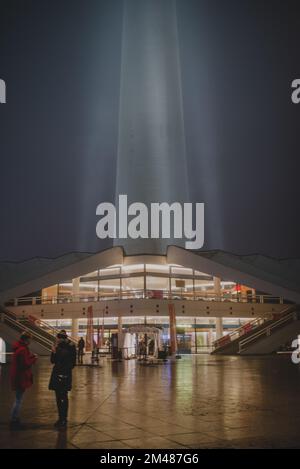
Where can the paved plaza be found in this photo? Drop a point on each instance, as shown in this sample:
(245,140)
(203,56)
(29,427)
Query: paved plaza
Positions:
(197,402)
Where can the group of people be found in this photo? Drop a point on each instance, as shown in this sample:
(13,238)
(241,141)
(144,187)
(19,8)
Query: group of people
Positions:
(63,357)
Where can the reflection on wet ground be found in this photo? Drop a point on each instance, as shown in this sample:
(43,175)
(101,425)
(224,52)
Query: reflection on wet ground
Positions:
(197,402)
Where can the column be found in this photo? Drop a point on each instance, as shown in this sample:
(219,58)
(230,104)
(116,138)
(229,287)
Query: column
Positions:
(217,286)
(76,289)
(120,336)
(219,328)
(75,328)
(75,297)
(210,336)
(195,335)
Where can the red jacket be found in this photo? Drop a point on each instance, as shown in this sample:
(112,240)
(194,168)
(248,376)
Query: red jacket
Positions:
(20,371)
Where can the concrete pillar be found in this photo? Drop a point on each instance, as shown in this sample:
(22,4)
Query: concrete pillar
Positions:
(219,328)
(217,286)
(120,335)
(76,289)
(75,328)
(210,336)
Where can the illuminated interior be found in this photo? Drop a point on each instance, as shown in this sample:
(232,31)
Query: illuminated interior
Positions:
(145,281)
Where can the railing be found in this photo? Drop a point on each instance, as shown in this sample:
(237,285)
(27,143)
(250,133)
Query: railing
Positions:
(249,327)
(239,332)
(144,294)
(14,324)
(38,329)
(44,326)
(268,330)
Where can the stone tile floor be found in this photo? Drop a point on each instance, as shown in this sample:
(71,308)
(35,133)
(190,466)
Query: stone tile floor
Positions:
(198,402)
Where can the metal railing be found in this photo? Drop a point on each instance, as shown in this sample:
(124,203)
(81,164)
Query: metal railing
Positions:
(145,294)
(44,327)
(293,315)
(18,326)
(239,332)
(40,330)
(250,327)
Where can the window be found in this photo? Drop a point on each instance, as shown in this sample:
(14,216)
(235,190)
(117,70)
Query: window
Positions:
(157,283)
(181,271)
(88,290)
(182,287)
(157,268)
(112,271)
(133,287)
(49,294)
(91,274)
(131,269)
(65,289)
(109,288)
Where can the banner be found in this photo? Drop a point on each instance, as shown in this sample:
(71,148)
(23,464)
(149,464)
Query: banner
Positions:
(90,330)
(172,322)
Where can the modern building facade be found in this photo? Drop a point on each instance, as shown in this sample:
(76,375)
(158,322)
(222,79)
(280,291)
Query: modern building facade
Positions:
(211,293)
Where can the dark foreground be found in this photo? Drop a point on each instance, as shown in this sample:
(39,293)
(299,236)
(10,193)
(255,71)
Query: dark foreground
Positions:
(197,402)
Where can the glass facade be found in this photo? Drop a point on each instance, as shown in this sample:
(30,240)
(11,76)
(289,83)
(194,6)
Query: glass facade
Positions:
(194,335)
(147,281)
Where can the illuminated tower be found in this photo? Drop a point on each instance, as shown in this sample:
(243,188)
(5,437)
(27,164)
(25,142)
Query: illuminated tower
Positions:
(151,165)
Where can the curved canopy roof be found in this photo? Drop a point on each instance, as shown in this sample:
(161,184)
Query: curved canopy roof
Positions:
(279,277)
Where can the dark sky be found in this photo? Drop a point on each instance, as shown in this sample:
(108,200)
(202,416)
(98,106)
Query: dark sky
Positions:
(58,131)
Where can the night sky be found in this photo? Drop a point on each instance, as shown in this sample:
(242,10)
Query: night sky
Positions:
(61,61)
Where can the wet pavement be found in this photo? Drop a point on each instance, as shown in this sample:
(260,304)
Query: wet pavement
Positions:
(198,402)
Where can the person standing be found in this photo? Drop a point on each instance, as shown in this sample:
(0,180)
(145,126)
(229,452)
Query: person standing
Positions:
(21,375)
(64,360)
(71,343)
(81,345)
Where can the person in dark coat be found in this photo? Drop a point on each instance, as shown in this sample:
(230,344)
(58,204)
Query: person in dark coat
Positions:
(81,345)
(71,343)
(63,358)
(21,375)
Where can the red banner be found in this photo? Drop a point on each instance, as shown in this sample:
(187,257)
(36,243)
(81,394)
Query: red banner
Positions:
(90,330)
(172,322)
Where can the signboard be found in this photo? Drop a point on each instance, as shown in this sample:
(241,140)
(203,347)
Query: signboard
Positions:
(180,283)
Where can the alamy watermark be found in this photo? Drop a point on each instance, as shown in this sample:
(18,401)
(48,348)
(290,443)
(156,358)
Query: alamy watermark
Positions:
(160,220)
(2,92)
(295,96)
(296,352)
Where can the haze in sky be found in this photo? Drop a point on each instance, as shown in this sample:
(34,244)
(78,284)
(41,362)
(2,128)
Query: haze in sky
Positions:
(60,128)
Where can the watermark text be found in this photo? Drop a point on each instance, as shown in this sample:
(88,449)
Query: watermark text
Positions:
(160,220)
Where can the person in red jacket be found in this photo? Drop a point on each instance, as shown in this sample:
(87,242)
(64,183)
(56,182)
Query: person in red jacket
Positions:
(21,374)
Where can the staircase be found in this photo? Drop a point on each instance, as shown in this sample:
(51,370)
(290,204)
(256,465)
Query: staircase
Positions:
(252,338)
(43,335)
(269,339)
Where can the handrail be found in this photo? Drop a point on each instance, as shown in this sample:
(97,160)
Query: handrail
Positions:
(45,327)
(144,294)
(292,315)
(39,325)
(248,327)
(240,331)
(20,327)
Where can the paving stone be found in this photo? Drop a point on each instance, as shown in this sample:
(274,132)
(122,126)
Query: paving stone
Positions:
(199,402)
